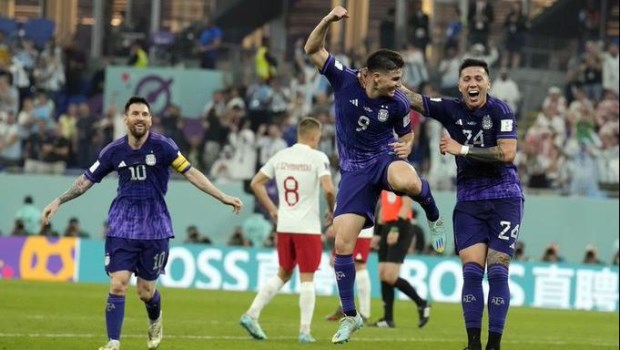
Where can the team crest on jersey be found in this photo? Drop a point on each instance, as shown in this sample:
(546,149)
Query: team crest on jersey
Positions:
(150,159)
(487,123)
(383,115)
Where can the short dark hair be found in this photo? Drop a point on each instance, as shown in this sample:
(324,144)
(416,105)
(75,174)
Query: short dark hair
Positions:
(472,62)
(384,60)
(137,100)
(28,200)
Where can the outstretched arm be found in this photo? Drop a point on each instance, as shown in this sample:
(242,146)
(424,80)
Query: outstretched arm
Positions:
(415,99)
(315,45)
(198,179)
(79,186)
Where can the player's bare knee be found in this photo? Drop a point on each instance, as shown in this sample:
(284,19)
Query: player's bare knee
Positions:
(494,257)
(118,287)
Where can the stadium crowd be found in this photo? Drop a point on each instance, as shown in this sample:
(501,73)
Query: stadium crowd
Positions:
(52,119)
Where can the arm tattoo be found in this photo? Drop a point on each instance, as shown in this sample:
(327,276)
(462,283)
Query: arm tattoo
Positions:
(487,155)
(80,185)
(415,100)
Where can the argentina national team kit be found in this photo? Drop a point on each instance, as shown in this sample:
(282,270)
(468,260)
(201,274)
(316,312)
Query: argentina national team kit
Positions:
(138,217)
(363,144)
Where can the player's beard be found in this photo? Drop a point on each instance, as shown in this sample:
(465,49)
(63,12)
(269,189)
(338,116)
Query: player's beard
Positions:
(138,130)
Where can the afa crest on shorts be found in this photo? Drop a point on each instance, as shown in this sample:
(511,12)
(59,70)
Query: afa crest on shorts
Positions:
(150,159)
(383,115)
(487,123)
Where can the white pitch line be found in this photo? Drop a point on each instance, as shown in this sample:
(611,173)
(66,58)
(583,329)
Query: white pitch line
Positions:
(530,341)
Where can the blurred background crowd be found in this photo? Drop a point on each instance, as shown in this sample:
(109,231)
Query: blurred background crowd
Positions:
(554,62)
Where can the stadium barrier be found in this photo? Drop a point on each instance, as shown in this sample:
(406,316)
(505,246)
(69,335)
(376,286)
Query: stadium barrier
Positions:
(559,286)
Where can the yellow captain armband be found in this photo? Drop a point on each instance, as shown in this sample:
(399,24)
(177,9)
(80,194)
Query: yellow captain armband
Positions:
(181,164)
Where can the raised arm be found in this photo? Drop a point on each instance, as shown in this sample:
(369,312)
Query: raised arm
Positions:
(415,99)
(315,45)
(198,179)
(79,186)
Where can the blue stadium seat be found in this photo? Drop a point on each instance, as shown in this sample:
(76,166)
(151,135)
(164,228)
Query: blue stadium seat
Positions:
(39,30)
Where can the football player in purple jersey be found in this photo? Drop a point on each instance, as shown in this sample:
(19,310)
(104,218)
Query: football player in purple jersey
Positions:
(370,109)
(139,222)
(482,136)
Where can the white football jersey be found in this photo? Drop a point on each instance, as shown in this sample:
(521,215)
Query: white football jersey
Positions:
(367,232)
(297,171)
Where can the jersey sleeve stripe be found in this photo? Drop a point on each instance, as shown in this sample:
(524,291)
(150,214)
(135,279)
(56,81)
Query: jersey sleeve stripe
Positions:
(111,145)
(329,60)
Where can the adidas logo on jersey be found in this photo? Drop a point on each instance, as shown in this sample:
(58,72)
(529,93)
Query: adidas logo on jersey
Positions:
(354,102)
(122,164)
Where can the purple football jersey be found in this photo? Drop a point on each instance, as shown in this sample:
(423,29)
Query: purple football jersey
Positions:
(139,210)
(478,180)
(364,127)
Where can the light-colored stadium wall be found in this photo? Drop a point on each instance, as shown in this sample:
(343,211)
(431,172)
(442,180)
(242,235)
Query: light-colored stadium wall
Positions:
(573,222)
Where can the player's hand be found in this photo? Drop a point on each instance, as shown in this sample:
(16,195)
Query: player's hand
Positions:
(329,218)
(234,202)
(49,211)
(374,242)
(401,149)
(337,14)
(448,145)
(273,214)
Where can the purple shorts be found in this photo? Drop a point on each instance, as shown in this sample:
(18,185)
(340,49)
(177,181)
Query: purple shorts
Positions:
(495,222)
(146,258)
(358,191)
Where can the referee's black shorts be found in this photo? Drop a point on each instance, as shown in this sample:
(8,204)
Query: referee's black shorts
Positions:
(395,253)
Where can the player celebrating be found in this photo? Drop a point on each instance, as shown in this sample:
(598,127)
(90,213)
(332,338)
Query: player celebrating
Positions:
(395,214)
(369,109)
(299,171)
(483,138)
(139,222)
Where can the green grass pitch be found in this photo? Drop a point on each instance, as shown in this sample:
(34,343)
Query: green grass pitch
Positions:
(50,316)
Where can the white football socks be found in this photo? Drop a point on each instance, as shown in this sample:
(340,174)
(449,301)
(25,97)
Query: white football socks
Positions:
(362,284)
(307,300)
(264,296)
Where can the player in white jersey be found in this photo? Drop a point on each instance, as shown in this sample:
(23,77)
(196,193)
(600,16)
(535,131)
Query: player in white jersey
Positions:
(299,171)
(362,281)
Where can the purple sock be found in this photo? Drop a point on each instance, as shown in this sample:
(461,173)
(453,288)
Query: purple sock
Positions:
(427,202)
(344,267)
(114,314)
(153,306)
(472,296)
(499,297)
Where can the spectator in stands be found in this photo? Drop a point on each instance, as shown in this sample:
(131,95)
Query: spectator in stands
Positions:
(611,68)
(414,70)
(195,237)
(552,254)
(582,165)
(49,76)
(554,95)
(506,89)
(48,231)
(25,118)
(137,55)
(608,158)
(419,29)
(266,64)
(387,30)
(479,17)
(243,142)
(9,95)
(515,27)
(21,79)
(10,141)
(173,124)
(44,107)
(51,150)
(479,51)
(75,66)
(520,252)
(454,30)
(256,229)
(68,127)
(30,216)
(73,229)
(591,256)
(269,142)
(221,169)
(85,126)
(237,238)
(209,44)
(590,72)
(18,228)
(589,19)
(449,71)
